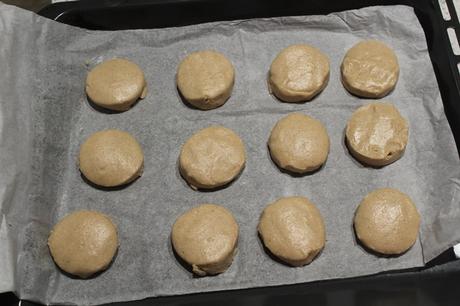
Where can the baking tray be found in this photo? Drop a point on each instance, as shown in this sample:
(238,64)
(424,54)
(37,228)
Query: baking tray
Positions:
(435,284)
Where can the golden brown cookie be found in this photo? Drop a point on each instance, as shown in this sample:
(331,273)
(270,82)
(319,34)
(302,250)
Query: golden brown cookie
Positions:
(299,143)
(387,221)
(370,69)
(377,134)
(116,84)
(212,157)
(83,243)
(293,230)
(206,237)
(205,79)
(298,73)
(111,158)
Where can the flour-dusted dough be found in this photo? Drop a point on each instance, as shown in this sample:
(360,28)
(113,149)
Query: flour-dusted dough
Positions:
(205,79)
(111,158)
(212,157)
(377,134)
(206,237)
(83,243)
(298,73)
(387,222)
(293,230)
(299,143)
(116,84)
(370,69)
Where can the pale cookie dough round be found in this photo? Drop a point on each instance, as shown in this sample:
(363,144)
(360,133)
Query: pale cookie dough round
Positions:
(212,157)
(205,237)
(377,134)
(292,228)
(83,243)
(116,84)
(299,143)
(205,79)
(298,73)
(387,222)
(370,69)
(111,158)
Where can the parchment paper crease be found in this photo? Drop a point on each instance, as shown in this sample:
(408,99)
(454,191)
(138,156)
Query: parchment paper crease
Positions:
(44,116)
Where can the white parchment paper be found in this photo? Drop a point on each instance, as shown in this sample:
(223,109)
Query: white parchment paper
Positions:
(45,116)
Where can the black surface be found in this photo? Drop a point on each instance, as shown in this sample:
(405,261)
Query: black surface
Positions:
(435,284)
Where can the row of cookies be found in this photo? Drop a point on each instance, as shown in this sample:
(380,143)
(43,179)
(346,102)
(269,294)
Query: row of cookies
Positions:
(205,79)
(206,237)
(376,135)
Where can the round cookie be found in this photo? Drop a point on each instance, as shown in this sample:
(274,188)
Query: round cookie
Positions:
(293,230)
(299,143)
(387,222)
(212,157)
(111,158)
(370,69)
(298,73)
(116,84)
(377,134)
(83,243)
(205,79)
(206,237)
